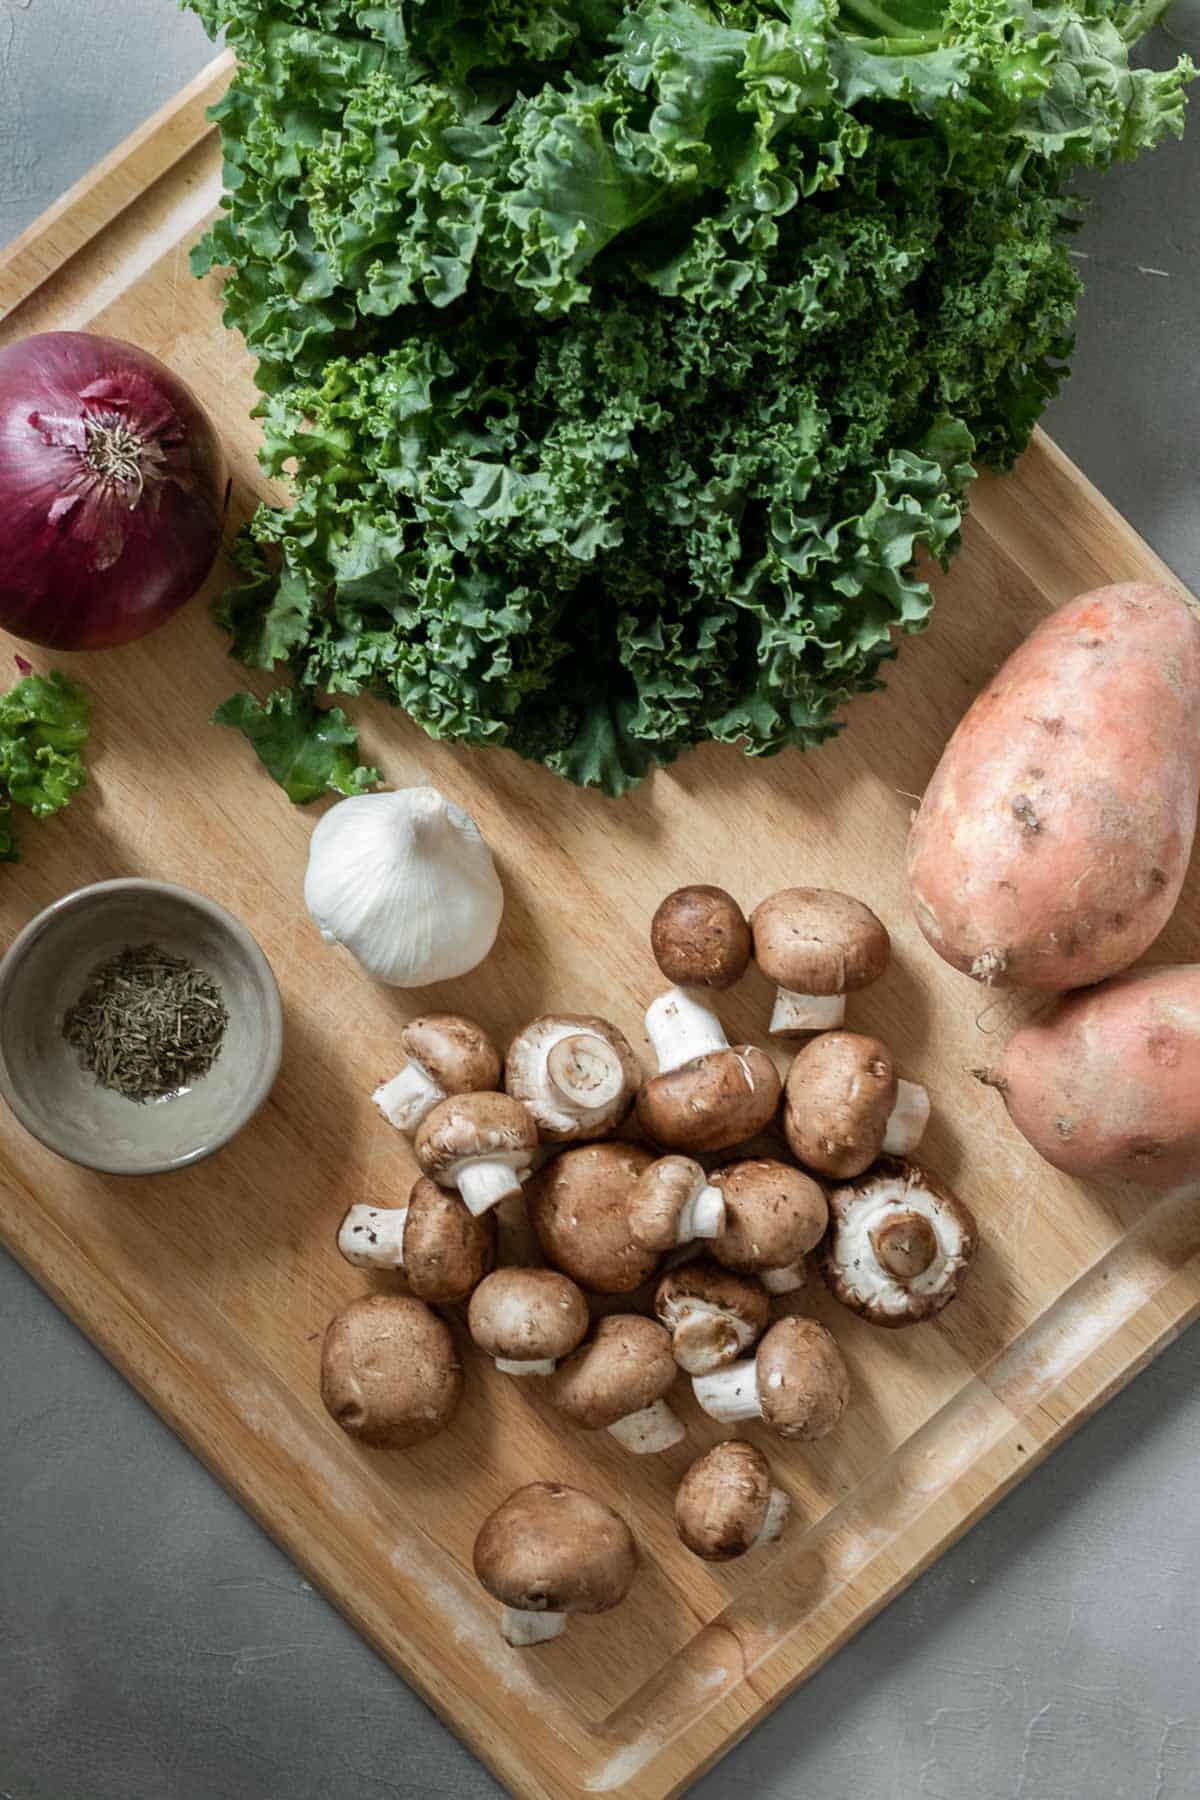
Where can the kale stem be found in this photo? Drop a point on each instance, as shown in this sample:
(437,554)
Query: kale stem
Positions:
(1140,18)
(895,41)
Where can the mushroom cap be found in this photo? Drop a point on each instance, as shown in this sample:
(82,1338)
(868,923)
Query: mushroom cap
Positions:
(447,1250)
(527,1315)
(861,1212)
(803,1384)
(455,1051)
(712,1102)
(625,1365)
(818,941)
(721,1503)
(703,1286)
(840,1092)
(551,1548)
(774,1215)
(467,1125)
(659,1196)
(701,938)
(390,1374)
(579,1205)
(559,1125)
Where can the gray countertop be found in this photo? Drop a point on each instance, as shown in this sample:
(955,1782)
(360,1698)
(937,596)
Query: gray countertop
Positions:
(154,1645)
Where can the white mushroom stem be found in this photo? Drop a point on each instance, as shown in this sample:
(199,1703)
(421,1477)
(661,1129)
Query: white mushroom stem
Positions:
(680,1027)
(730,1395)
(653,1428)
(779,1507)
(907,1119)
(583,1070)
(484,1181)
(372,1237)
(797,1013)
(702,1214)
(520,1629)
(541,1365)
(785,1281)
(408,1096)
(703,1332)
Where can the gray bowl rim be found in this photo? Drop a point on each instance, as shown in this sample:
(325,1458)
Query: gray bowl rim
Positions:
(225,921)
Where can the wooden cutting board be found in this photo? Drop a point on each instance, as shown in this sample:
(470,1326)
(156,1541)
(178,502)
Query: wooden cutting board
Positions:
(211,1288)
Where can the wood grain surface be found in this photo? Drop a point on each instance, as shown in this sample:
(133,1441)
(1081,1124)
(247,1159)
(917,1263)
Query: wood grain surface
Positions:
(210,1288)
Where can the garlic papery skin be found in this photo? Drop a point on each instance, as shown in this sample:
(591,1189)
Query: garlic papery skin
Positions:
(406,883)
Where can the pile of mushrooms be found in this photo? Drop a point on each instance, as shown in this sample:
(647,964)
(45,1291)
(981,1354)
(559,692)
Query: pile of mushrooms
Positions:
(650,1188)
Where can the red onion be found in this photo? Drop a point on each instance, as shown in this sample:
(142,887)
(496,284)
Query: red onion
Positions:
(113,491)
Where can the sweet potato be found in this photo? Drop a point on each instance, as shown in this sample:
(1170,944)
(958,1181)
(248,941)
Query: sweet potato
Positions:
(1107,1084)
(1053,839)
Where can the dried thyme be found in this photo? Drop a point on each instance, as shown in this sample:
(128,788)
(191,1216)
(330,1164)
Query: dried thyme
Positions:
(148,1024)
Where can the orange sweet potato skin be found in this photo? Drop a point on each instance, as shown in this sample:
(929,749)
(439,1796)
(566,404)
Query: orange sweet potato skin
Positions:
(1107,1085)
(1051,844)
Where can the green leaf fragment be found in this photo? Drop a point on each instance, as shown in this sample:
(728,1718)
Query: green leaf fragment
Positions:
(305,748)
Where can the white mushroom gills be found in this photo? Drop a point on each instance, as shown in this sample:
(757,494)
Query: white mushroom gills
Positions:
(730,1395)
(521,1629)
(651,1429)
(794,1014)
(785,1281)
(907,1119)
(698,1332)
(702,1214)
(408,1096)
(681,1027)
(484,1181)
(372,1237)
(541,1365)
(779,1508)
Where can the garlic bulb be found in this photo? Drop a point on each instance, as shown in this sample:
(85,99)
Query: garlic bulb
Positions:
(406,883)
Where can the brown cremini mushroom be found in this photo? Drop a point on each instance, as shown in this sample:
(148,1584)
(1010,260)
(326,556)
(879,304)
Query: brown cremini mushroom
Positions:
(774,1215)
(616,1382)
(844,1105)
(576,1075)
(447,1054)
(713,1315)
(797,1384)
(579,1207)
(673,1202)
(708,1095)
(551,1550)
(527,1319)
(816,945)
(727,1503)
(898,1243)
(390,1374)
(481,1144)
(701,938)
(443,1249)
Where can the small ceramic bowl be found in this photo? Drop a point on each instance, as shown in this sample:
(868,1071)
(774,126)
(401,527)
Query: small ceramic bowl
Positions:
(41,1076)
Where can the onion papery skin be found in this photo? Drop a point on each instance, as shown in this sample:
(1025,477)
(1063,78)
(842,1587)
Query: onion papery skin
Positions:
(93,559)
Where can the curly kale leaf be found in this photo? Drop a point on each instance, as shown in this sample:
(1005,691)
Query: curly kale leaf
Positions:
(44,723)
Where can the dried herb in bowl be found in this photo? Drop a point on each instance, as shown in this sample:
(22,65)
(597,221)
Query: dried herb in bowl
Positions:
(149,1024)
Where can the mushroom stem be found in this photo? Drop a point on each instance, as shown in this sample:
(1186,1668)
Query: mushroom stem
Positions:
(729,1395)
(484,1182)
(584,1071)
(907,1119)
(707,1337)
(649,1430)
(520,1629)
(540,1365)
(785,1281)
(779,1507)
(702,1214)
(372,1237)
(408,1096)
(680,1028)
(795,1014)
